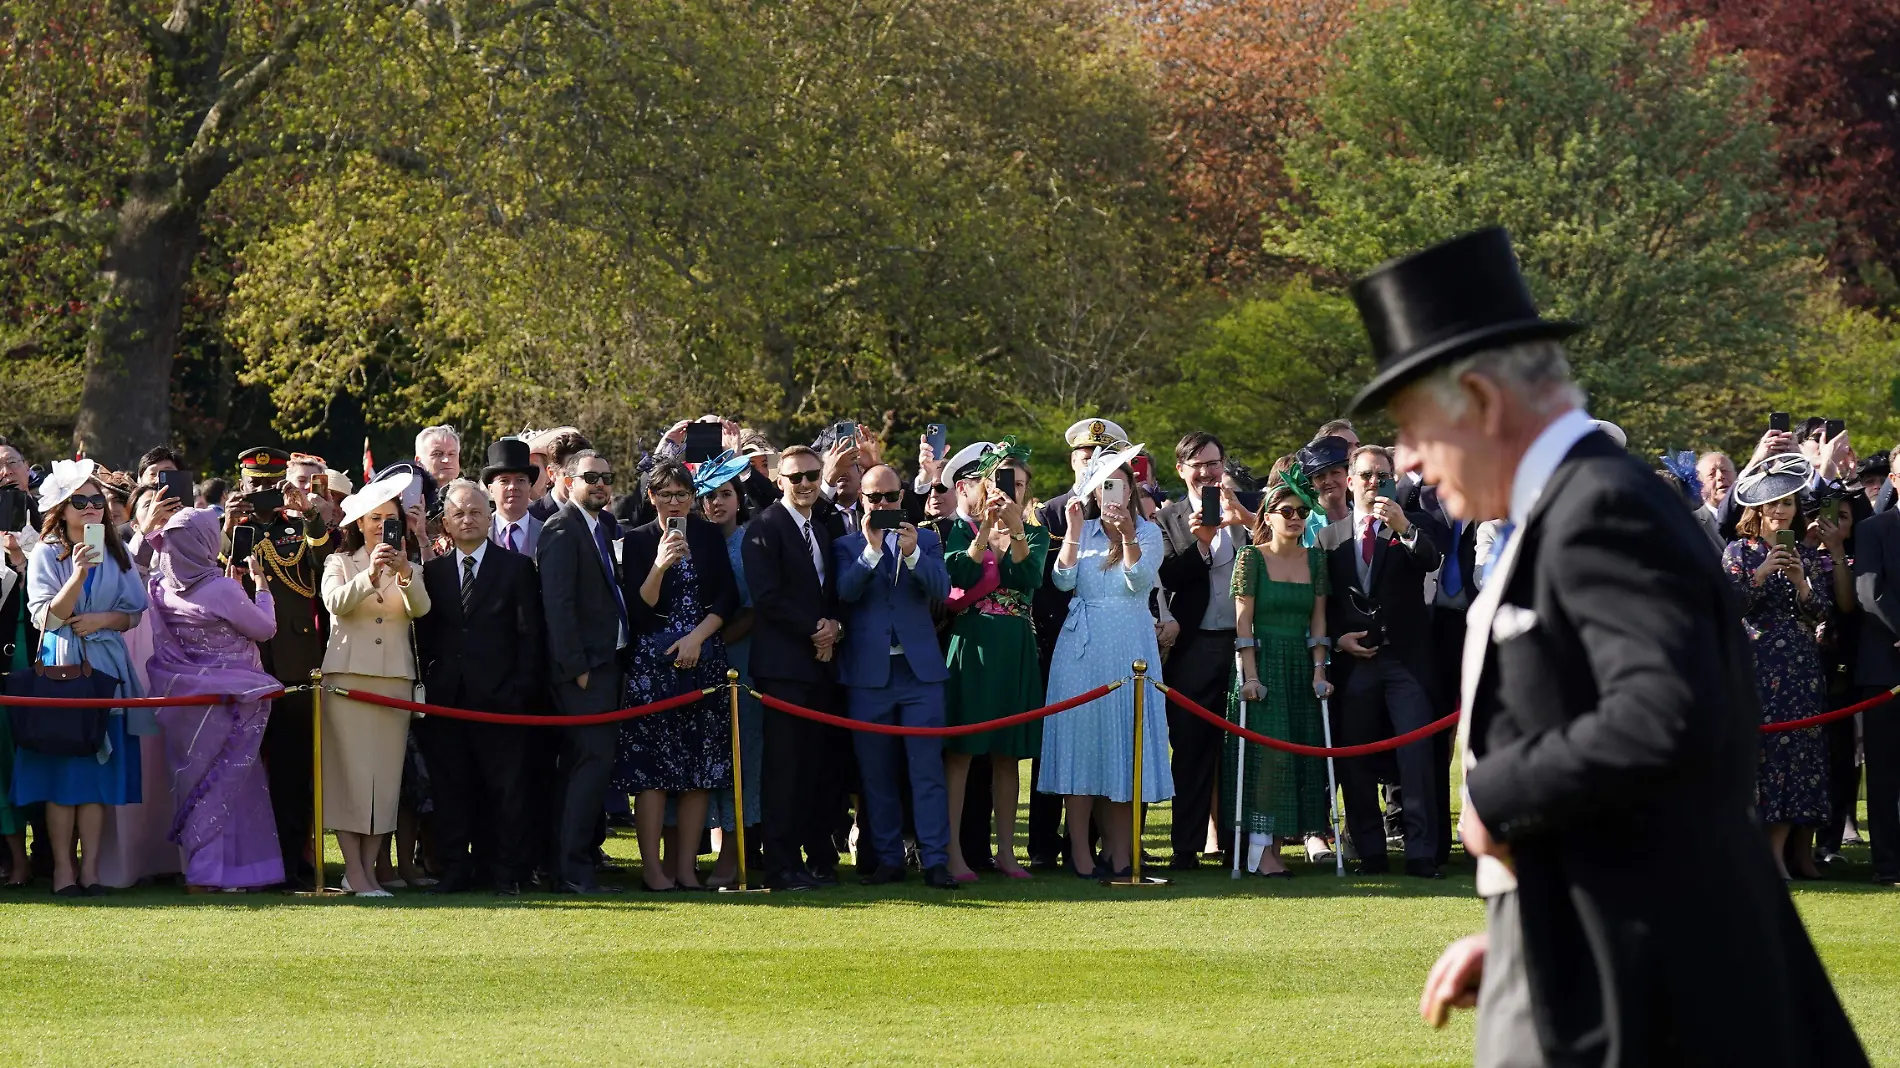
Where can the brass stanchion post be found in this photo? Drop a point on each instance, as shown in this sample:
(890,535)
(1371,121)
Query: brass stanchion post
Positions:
(1135,878)
(316,788)
(738,791)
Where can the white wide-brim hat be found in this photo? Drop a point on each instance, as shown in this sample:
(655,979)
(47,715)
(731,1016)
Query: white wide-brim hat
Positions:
(357,505)
(1103,466)
(64,481)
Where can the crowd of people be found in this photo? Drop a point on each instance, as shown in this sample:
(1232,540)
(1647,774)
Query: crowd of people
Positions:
(557,582)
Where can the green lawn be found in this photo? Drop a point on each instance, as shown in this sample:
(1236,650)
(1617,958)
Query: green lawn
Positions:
(1316,971)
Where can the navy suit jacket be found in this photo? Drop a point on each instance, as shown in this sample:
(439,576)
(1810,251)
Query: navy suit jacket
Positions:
(886,607)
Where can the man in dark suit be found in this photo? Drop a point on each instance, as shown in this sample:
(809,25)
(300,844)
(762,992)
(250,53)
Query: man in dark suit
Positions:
(787,555)
(586,622)
(1198,572)
(1877,587)
(1382,624)
(481,647)
(893,672)
(1607,691)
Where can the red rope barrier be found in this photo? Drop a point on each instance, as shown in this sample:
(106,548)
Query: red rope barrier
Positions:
(1381,746)
(184,701)
(524,721)
(1829,717)
(938,732)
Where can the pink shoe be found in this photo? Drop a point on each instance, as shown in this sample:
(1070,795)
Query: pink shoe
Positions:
(966,877)
(1017,874)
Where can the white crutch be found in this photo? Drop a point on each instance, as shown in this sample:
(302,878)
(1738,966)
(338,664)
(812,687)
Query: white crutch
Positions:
(1332,789)
(1238,842)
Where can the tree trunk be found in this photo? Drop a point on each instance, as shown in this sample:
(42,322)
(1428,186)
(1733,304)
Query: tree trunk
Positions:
(125,407)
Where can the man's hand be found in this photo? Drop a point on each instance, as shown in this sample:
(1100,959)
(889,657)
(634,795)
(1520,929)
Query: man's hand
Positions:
(825,636)
(929,464)
(1771,443)
(1201,531)
(236,514)
(1166,634)
(1233,513)
(10,544)
(296,500)
(1350,643)
(1453,982)
(870,449)
(1476,836)
(1834,452)
(676,434)
(906,540)
(843,454)
(1391,515)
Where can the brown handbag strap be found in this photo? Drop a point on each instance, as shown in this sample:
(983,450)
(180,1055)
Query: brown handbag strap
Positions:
(85,665)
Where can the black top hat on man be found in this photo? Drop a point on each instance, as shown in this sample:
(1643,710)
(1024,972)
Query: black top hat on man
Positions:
(1425,310)
(509,456)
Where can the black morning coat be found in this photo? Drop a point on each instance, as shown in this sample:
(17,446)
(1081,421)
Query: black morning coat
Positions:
(1616,744)
(491,658)
(788,599)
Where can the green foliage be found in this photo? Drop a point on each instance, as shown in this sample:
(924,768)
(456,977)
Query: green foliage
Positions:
(1849,370)
(1637,175)
(1266,371)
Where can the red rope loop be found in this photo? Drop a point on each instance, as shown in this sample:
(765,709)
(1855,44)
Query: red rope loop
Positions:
(184,701)
(936,732)
(1308,750)
(1829,717)
(525,721)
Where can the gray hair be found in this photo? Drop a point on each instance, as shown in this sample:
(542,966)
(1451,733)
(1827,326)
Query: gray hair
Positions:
(429,432)
(467,486)
(1536,372)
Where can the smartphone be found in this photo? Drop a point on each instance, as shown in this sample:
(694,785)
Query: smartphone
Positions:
(1210,506)
(1778,421)
(12,508)
(265,502)
(1112,491)
(182,486)
(886,519)
(703,442)
(96,537)
(1006,481)
(1787,539)
(1388,489)
(243,541)
(1831,510)
(846,432)
(674,523)
(1144,470)
(392,533)
(938,437)
(1835,428)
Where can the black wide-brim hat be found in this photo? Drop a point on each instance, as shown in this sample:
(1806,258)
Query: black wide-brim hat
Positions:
(1424,310)
(509,456)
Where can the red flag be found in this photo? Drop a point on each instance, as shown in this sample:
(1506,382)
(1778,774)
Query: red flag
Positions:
(369,463)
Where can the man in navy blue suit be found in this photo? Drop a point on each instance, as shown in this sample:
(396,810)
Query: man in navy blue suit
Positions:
(889,574)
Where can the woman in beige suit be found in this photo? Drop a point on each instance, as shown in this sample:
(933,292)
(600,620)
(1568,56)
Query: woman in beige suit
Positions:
(372,593)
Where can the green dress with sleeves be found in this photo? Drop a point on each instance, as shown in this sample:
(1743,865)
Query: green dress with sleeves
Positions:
(992,656)
(1284,794)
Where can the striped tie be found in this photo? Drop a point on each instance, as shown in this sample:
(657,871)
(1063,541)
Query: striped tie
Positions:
(468,584)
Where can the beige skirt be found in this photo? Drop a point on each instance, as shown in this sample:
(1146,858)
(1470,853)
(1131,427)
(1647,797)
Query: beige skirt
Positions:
(363,749)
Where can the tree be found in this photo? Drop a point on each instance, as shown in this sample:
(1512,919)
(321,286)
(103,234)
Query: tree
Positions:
(1849,370)
(1234,78)
(1831,71)
(1637,175)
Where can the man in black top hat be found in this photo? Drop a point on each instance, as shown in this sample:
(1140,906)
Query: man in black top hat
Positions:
(1607,690)
(509,477)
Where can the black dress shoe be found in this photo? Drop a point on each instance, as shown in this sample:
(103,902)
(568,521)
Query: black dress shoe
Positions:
(822,876)
(70,890)
(938,877)
(887,874)
(1375,866)
(507,888)
(1423,868)
(1184,863)
(791,880)
(453,883)
(96,890)
(589,888)
(1037,863)
(644,888)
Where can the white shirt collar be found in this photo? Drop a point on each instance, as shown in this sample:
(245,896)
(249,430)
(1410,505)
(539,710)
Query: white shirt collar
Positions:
(792,510)
(480,551)
(1541,459)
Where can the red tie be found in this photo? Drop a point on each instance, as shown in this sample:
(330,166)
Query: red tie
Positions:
(1365,540)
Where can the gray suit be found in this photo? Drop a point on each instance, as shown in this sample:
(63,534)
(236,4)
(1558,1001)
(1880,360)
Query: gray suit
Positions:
(584,619)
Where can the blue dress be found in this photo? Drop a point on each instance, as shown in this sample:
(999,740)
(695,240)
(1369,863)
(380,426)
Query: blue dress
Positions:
(1090,750)
(113,775)
(1791,786)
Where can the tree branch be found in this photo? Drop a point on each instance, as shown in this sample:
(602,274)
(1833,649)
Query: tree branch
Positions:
(203,154)
(153,33)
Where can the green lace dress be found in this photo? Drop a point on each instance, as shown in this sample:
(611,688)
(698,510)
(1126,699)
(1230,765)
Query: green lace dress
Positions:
(1283,794)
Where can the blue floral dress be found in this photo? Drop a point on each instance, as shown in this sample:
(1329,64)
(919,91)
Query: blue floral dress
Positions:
(686,748)
(1792,783)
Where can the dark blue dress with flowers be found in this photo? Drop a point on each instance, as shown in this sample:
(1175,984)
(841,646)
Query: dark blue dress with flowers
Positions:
(1792,784)
(687,748)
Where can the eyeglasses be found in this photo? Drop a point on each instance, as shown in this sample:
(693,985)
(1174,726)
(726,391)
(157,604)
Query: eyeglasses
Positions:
(596,478)
(939,488)
(87,503)
(795,477)
(1291,513)
(1204,465)
(888,497)
(673,496)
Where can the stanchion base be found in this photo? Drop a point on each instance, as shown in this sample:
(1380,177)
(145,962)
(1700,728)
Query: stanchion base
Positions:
(321,891)
(1146,880)
(744,890)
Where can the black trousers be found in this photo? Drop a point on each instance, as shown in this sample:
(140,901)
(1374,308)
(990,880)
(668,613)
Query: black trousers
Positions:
(586,764)
(287,750)
(1843,780)
(1380,698)
(1201,666)
(793,794)
(1880,742)
(480,775)
(1448,646)
(973,823)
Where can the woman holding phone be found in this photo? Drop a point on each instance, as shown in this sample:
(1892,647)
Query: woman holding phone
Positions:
(1109,557)
(677,583)
(83,593)
(1786,590)
(372,592)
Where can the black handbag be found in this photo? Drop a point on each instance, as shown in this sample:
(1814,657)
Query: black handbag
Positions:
(60,732)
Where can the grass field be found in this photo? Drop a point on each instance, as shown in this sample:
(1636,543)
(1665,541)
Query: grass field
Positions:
(1315,971)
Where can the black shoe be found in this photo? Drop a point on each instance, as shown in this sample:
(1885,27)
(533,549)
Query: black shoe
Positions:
(610,868)
(1375,866)
(1097,872)
(791,880)
(1281,874)
(96,890)
(1423,868)
(1040,863)
(938,877)
(644,888)
(587,888)
(1180,862)
(822,876)
(507,888)
(72,890)
(886,874)
(453,883)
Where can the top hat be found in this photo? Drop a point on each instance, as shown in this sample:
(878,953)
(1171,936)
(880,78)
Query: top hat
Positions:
(509,456)
(1452,299)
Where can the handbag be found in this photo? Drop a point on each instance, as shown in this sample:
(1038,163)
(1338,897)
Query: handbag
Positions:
(60,732)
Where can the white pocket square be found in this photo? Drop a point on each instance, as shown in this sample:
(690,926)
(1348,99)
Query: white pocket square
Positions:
(1510,621)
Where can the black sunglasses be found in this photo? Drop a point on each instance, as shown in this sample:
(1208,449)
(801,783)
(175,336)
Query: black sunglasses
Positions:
(795,477)
(597,478)
(939,488)
(1291,513)
(87,501)
(887,497)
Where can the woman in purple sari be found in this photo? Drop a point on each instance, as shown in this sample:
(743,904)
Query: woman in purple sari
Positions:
(204,640)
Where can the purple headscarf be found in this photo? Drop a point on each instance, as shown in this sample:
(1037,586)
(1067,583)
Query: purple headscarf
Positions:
(191,541)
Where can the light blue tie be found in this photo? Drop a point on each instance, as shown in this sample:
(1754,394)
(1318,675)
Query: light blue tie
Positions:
(1505,530)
